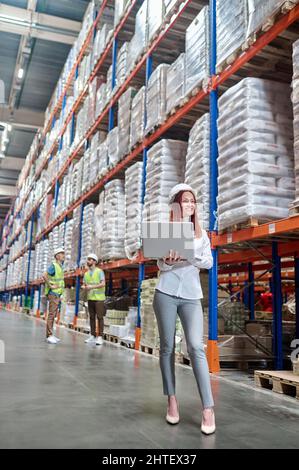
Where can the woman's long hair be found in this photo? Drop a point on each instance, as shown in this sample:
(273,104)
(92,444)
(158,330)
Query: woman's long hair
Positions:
(176,213)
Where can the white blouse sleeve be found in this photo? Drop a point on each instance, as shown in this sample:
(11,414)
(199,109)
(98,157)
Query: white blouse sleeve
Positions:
(203,254)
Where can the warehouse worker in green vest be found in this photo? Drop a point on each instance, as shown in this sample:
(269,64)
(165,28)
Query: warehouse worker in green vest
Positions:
(94,284)
(54,290)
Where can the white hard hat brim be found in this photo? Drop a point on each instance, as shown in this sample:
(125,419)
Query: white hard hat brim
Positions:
(178,189)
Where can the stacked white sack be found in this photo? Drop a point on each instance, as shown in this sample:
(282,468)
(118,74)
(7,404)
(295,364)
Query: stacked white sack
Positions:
(198,167)
(165,169)
(256,165)
(295,99)
(112,243)
(133,197)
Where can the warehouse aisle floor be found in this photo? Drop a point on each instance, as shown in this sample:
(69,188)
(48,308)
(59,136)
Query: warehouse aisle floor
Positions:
(75,396)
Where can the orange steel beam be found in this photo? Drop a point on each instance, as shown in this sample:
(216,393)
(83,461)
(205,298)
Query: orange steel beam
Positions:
(260,267)
(243,279)
(288,249)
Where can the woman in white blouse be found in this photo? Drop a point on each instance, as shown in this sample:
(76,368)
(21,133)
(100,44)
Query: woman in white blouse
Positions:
(179,292)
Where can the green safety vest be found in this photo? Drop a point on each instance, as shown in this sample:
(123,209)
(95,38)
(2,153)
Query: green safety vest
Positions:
(91,278)
(57,280)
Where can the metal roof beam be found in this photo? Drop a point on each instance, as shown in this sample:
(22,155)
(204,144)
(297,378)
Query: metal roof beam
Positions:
(12,163)
(22,118)
(39,25)
(6,190)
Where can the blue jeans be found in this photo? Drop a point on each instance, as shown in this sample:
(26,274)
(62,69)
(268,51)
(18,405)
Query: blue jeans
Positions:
(166,308)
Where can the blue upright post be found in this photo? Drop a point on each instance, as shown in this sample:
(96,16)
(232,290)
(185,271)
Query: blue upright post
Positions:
(39,300)
(277,308)
(114,67)
(245,295)
(297,294)
(32,297)
(141,273)
(251,291)
(78,265)
(213,352)
(29,260)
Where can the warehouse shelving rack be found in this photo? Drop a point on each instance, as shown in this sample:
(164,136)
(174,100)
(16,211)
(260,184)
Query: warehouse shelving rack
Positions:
(278,239)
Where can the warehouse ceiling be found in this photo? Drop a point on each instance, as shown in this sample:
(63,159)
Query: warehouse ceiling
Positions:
(33,50)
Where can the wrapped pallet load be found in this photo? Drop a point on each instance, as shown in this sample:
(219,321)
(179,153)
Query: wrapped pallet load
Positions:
(231,29)
(259,13)
(149,330)
(155,16)
(140,39)
(119,10)
(175,85)
(256,164)
(113,147)
(103,158)
(68,245)
(98,225)
(156,98)
(124,121)
(137,118)
(87,237)
(198,166)
(197,52)
(165,169)
(122,64)
(295,99)
(133,195)
(112,243)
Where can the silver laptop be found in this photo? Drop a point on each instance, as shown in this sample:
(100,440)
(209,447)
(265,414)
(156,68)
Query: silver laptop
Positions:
(161,237)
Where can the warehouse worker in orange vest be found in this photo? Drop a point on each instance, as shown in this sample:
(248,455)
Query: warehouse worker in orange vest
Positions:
(94,284)
(54,279)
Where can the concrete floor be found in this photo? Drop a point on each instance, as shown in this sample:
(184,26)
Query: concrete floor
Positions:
(76,396)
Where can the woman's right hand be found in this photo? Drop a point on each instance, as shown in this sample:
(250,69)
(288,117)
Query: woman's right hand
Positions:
(172,258)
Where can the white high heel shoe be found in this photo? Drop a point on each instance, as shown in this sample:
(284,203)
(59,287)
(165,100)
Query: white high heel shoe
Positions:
(172,419)
(208,430)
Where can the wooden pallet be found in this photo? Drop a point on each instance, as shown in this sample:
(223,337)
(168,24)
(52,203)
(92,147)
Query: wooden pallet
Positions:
(111,339)
(283,382)
(149,350)
(268,24)
(251,222)
(294,209)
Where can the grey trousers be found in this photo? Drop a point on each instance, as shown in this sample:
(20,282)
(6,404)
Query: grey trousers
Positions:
(166,308)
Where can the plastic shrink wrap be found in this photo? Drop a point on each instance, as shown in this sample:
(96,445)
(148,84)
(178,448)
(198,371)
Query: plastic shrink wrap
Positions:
(155,15)
(133,198)
(98,224)
(256,164)
(87,244)
(175,84)
(156,98)
(137,118)
(124,121)
(198,167)
(165,169)
(140,39)
(231,27)
(113,235)
(197,52)
(113,147)
(295,99)
(259,11)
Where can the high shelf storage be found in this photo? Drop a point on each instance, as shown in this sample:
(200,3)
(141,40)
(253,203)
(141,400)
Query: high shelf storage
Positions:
(262,49)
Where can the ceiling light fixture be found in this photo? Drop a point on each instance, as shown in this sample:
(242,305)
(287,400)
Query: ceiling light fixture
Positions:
(21,73)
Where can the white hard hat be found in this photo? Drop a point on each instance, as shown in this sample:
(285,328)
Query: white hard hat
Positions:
(177,189)
(94,257)
(59,250)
